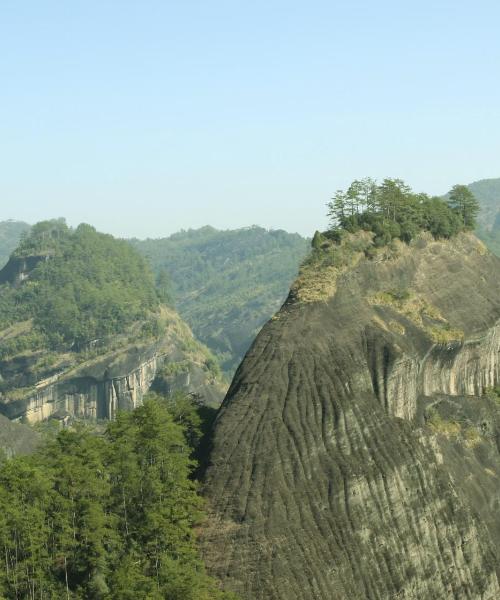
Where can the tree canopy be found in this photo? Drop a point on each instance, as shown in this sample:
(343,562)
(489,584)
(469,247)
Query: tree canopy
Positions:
(392,210)
(465,204)
(109,516)
(87,285)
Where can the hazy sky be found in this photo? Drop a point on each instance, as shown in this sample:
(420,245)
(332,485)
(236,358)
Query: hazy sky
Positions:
(146,117)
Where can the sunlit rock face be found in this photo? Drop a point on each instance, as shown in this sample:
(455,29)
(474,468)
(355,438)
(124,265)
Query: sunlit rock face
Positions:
(356,454)
(91,394)
(95,385)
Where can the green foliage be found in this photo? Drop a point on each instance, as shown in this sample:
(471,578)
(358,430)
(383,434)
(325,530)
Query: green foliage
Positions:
(109,516)
(391,210)
(317,240)
(227,284)
(463,202)
(493,394)
(89,285)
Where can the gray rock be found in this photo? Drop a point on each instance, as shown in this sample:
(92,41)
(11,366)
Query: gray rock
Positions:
(355,456)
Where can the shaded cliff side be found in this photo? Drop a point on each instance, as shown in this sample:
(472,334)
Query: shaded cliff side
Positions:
(357,453)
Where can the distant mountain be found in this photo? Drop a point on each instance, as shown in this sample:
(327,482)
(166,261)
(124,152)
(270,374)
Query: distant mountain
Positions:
(227,284)
(10,233)
(487,191)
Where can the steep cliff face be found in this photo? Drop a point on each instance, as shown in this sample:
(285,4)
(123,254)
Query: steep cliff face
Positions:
(357,454)
(97,387)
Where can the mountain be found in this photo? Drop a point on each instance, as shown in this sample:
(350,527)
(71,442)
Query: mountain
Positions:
(84,331)
(227,284)
(487,191)
(356,454)
(10,234)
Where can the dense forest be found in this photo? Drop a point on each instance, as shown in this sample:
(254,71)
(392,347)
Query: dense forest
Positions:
(226,284)
(83,286)
(109,515)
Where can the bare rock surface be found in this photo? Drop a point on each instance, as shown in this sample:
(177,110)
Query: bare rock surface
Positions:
(357,453)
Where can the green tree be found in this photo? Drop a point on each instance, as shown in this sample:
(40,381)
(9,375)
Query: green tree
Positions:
(109,516)
(465,204)
(392,195)
(337,208)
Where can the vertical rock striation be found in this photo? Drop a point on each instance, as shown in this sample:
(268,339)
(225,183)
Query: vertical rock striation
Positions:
(355,456)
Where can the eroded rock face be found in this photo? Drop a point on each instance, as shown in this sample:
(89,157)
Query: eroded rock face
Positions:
(355,456)
(97,387)
(88,395)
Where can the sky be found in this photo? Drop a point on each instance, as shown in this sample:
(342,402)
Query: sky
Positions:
(143,118)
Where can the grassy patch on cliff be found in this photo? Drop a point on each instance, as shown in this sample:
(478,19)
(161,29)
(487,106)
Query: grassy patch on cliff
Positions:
(465,433)
(318,274)
(419,312)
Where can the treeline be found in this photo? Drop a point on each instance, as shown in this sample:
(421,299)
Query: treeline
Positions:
(392,210)
(108,516)
(92,285)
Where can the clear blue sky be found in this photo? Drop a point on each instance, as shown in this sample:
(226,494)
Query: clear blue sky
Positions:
(146,117)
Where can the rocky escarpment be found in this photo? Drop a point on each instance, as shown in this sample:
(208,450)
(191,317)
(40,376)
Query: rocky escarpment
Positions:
(356,455)
(96,386)
(19,268)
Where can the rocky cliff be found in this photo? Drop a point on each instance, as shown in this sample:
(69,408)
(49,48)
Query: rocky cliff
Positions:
(94,385)
(357,453)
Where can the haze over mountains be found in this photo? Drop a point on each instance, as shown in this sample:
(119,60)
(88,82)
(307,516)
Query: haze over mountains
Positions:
(227,284)
(355,454)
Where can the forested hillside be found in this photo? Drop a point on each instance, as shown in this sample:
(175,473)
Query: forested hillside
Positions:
(84,329)
(227,284)
(72,287)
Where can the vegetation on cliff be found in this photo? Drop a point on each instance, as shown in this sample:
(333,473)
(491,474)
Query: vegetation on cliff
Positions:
(109,516)
(227,284)
(392,210)
(73,301)
(377,222)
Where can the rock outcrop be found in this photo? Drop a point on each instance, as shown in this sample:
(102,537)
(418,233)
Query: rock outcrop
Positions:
(357,455)
(98,386)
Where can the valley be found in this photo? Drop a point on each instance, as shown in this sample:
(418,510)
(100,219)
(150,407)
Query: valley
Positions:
(353,456)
